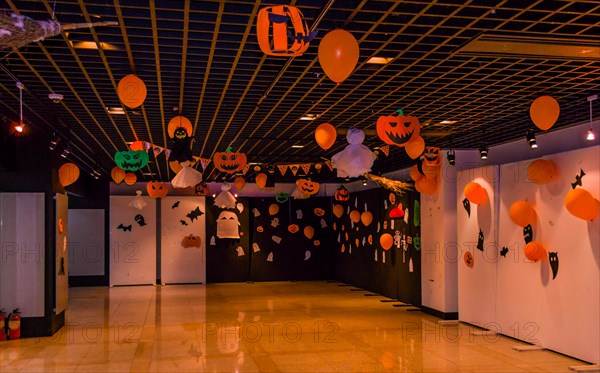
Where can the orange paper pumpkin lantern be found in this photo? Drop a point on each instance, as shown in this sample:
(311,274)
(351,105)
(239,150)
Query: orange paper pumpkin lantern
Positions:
(239,183)
(469,259)
(325,135)
(355,216)
(398,130)
(342,194)
(415,148)
(156,189)
(229,161)
(261,180)
(581,204)
(534,251)
(522,214)
(432,157)
(541,171)
(309,232)
(179,122)
(201,189)
(386,241)
(191,241)
(293,228)
(130,178)
(338,211)
(273,21)
(338,54)
(117,174)
(307,186)
(366,218)
(544,112)
(132,91)
(415,174)
(68,173)
(319,211)
(475,193)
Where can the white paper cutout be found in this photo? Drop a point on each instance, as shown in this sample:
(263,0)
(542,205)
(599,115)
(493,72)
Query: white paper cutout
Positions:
(225,199)
(406,215)
(397,239)
(356,158)
(307,255)
(385,205)
(339,237)
(348,210)
(240,251)
(256,212)
(240,207)
(228,225)
(138,201)
(277,239)
(213,241)
(323,223)
(255,247)
(270,257)
(355,202)
(376,255)
(378,226)
(410,265)
(351,224)
(186,177)
(364,241)
(275,222)
(383,257)
(349,248)
(404,243)
(299,214)
(392,224)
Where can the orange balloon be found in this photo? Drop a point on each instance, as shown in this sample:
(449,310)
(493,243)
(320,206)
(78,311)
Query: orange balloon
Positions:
(541,171)
(338,54)
(415,147)
(137,145)
(338,211)
(325,135)
(132,91)
(355,216)
(68,173)
(544,112)
(386,241)
(522,213)
(130,178)
(261,180)
(534,251)
(273,209)
(581,204)
(309,232)
(426,185)
(179,121)
(475,193)
(366,218)
(415,174)
(117,174)
(239,183)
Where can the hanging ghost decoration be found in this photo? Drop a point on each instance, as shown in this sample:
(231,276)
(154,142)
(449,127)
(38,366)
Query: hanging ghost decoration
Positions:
(225,200)
(187,177)
(228,225)
(356,159)
(138,201)
(180,132)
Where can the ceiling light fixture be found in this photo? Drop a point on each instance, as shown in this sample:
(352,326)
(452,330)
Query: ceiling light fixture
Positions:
(590,133)
(531,139)
(365,182)
(483,152)
(115,110)
(55,140)
(451,156)
(379,60)
(66,151)
(21,126)
(297,146)
(309,117)
(448,122)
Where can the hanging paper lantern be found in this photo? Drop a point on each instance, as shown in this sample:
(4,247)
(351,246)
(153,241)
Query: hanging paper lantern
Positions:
(131,160)
(130,178)
(132,91)
(398,130)
(534,251)
(179,127)
(156,189)
(426,185)
(415,148)
(396,213)
(414,173)
(307,186)
(581,204)
(201,189)
(355,216)
(68,173)
(239,183)
(544,112)
(273,209)
(338,54)
(309,232)
(386,241)
(475,193)
(522,214)
(261,180)
(541,171)
(342,194)
(338,211)
(117,174)
(229,161)
(366,218)
(273,21)
(325,135)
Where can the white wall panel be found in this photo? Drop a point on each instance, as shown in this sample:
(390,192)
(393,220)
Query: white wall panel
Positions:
(86,242)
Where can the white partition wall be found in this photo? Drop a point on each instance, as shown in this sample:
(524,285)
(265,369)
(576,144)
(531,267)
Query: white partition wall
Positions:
(477,285)
(180,218)
(62,253)
(132,242)
(22,252)
(86,242)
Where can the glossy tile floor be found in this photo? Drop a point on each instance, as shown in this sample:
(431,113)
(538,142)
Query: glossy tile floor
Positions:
(267,327)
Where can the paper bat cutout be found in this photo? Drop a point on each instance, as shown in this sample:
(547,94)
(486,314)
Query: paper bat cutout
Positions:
(528,233)
(504,251)
(467,206)
(139,218)
(124,228)
(183,222)
(195,213)
(553,259)
(175,205)
(578,179)
(480,240)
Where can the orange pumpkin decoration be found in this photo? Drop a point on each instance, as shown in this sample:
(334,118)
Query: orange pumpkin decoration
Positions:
(156,189)
(137,145)
(191,241)
(229,161)
(397,130)
(179,122)
(68,173)
(276,18)
(342,194)
(426,185)
(130,178)
(201,189)
(307,186)
(431,157)
(415,147)
(239,183)
(317,243)
(260,229)
(293,228)
(132,91)
(117,174)
(415,174)
(469,259)
(261,180)
(319,211)
(534,251)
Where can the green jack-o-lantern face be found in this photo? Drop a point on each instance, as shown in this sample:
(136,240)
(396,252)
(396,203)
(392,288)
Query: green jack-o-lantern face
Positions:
(180,133)
(131,160)
(282,197)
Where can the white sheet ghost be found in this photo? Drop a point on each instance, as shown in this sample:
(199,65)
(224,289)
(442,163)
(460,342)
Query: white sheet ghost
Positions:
(225,199)
(228,225)
(356,158)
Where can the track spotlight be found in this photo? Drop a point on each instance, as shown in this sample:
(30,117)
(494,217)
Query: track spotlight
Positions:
(365,182)
(483,152)
(590,133)
(451,156)
(531,139)
(66,151)
(20,127)
(55,140)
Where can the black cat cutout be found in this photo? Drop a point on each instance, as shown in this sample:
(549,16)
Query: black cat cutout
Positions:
(124,228)
(195,214)
(467,206)
(139,218)
(175,205)
(480,240)
(578,179)
(183,222)
(553,258)
(504,251)
(528,233)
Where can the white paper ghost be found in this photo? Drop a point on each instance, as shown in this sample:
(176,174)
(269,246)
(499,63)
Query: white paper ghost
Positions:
(187,177)
(275,222)
(397,239)
(225,199)
(255,247)
(299,214)
(298,194)
(277,239)
(323,223)
(213,241)
(228,225)
(240,251)
(270,257)
(256,212)
(138,201)
(356,158)
(240,207)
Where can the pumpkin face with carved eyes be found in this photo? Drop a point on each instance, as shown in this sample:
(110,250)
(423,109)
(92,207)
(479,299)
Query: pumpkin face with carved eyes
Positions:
(202,189)
(307,186)
(282,197)
(293,228)
(397,130)
(342,194)
(156,189)
(230,162)
(131,160)
(191,241)
(431,156)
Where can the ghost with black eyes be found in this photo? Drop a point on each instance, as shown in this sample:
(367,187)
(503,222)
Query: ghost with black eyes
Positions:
(228,225)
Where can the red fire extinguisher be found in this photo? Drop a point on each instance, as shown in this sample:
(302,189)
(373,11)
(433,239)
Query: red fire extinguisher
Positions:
(2,325)
(14,325)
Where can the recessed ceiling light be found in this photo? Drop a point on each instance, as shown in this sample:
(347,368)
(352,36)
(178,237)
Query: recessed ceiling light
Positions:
(115,110)
(379,60)
(448,122)
(297,146)
(309,117)
(93,45)
(149,173)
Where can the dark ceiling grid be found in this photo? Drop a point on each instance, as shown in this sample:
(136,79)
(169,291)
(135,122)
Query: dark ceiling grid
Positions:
(184,49)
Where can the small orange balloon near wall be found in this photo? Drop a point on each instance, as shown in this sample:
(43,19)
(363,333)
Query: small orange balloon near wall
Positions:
(117,174)
(132,91)
(544,112)
(415,147)
(386,241)
(541,171)
(475,193)
(534,251)
(68,173)
(338,54)
(522,213)
(130,178)
(581,204)
(325,135)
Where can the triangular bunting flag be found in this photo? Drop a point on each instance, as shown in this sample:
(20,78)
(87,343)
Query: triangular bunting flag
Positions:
(305,167)
(196,159)
(246,168)
(282,168)
(294,168)
(157,150)
(147,145)
(204,163)
(328,163)
(385,150)
(168,153)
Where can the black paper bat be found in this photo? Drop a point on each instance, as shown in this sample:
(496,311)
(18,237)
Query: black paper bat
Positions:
(553,258)
(183,222)
(504,251)
(528,233)
(195,214)
(467,206)
(124,228)
(140,220)
(480,240)
(578,179)
(175,205)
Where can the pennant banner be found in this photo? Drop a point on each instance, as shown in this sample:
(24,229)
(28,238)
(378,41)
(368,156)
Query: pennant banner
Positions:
(204,163)
(305,167)
(294,168)
(147,145)
(246,168)
(168,153)
(385,150)
(328,163)
(157,150)
(282,168)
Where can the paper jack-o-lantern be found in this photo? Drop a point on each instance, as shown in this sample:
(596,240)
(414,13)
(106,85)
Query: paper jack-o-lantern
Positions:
(398,130)
(131,160)
(276,18)
(191,241)
(229,161)
(179,127)
(293,228)
(201,189)
(307,186)
(156,189)
(342,194)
